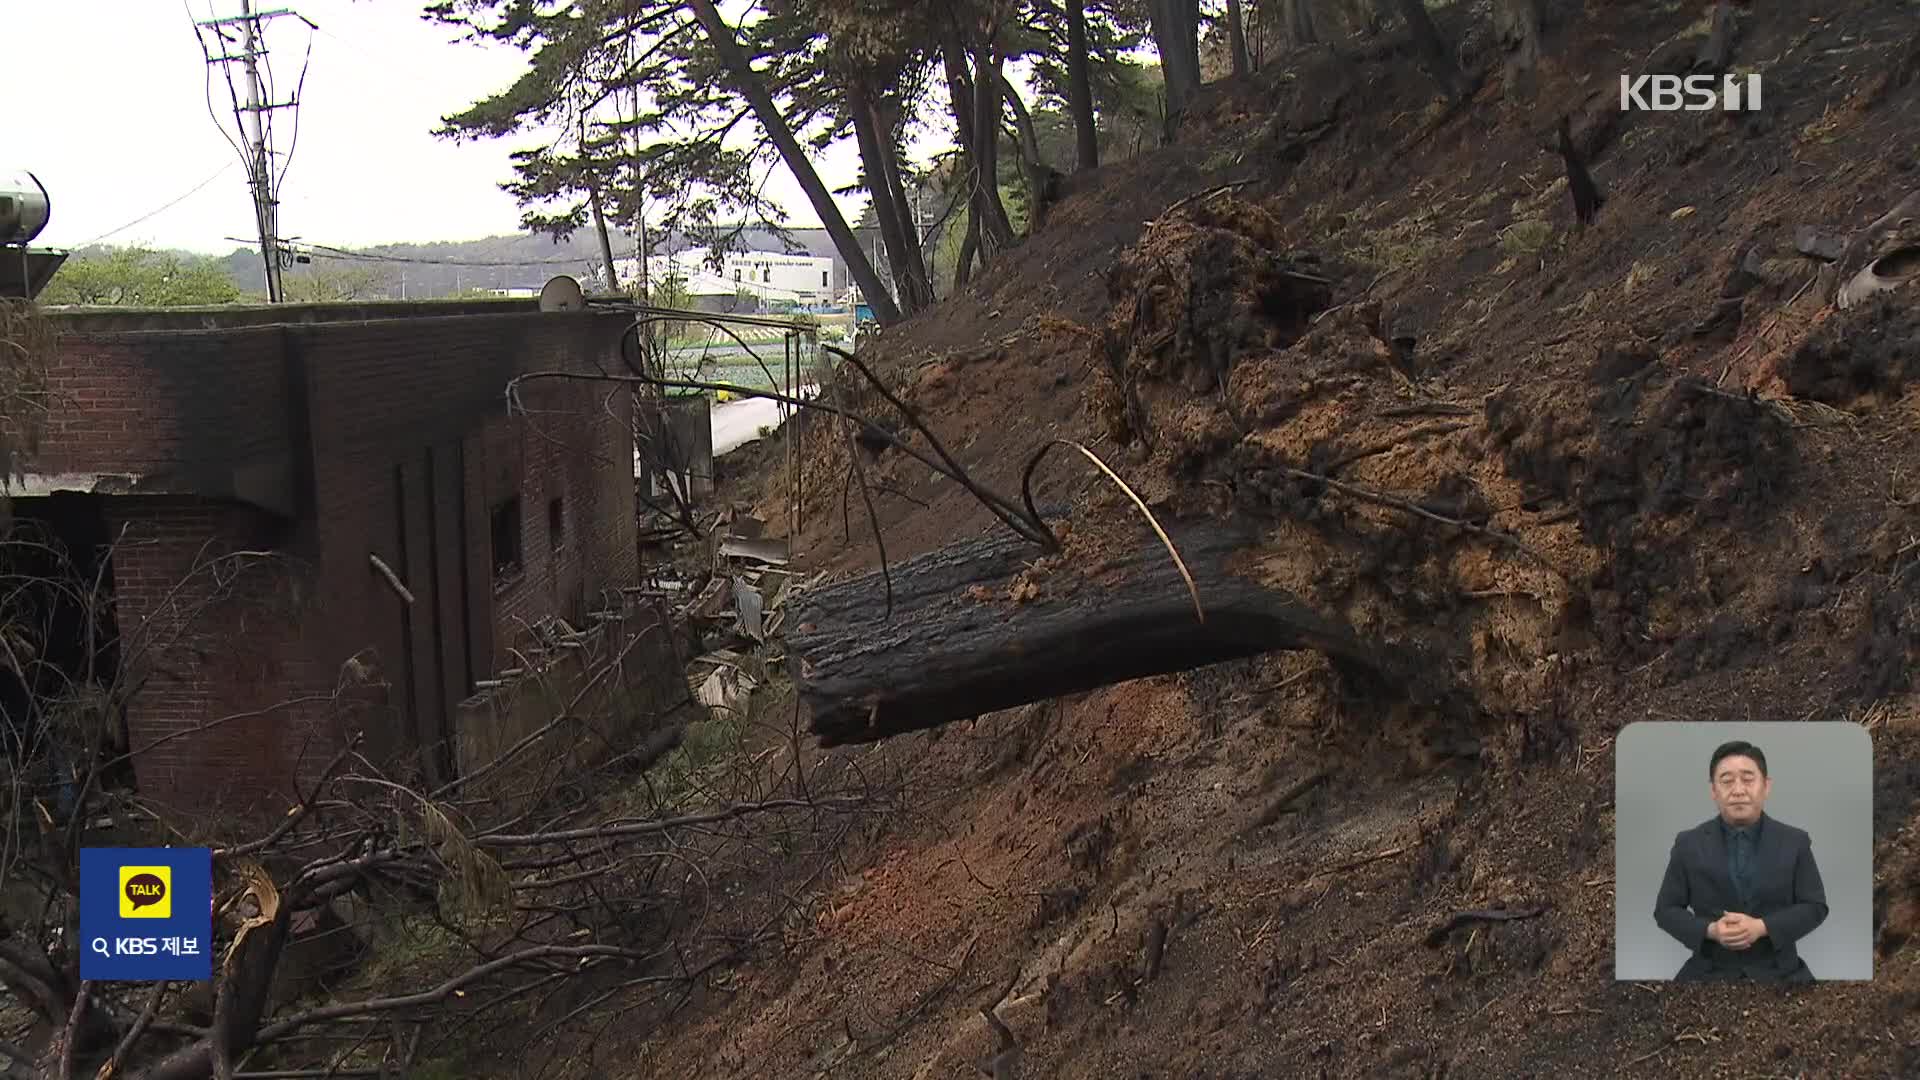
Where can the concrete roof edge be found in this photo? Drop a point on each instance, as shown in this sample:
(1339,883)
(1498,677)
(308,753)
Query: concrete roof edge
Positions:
(116,320)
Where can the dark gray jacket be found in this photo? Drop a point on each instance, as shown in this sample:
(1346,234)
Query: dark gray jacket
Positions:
(1697,890)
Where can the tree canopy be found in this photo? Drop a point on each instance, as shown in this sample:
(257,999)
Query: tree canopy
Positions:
(141,277)
(664,117)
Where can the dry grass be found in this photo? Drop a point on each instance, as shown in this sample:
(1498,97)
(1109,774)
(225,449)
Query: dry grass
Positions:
(1529,237)
(1406,242)
(1825,129)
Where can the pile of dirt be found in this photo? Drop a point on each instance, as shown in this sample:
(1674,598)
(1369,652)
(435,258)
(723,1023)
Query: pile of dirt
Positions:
(1859,363)
(1552,457)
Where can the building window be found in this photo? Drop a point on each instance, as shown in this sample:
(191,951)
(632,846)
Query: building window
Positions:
(823,279)
(736,273)
(506,539)
(766,275)
(556,523)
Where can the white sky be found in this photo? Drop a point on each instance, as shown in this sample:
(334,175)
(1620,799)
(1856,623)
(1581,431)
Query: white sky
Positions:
(106,104)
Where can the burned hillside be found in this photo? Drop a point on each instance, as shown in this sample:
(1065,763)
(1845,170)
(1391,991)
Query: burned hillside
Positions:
(1641,469)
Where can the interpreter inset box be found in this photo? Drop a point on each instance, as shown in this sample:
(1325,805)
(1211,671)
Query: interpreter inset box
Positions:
(146,914)
(1743,852)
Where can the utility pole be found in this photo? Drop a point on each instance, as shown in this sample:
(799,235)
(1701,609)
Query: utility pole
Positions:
(254,118)
(263,202)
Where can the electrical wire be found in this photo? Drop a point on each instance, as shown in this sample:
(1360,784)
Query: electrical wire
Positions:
(326,251)
(217,174)
(201,40)
(233,95)
(299,86)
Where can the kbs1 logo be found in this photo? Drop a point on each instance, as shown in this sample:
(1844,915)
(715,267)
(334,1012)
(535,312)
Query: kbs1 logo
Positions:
(1691,93)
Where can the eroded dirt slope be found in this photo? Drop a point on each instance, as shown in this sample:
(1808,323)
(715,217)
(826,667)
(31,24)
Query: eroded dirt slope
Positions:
(1604,504)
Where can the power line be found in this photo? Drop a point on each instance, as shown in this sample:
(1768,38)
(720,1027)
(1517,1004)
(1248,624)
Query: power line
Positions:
(217,174)
(286,162)
(324,251)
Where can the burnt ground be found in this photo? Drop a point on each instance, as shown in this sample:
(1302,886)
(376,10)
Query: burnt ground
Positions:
(1654,511)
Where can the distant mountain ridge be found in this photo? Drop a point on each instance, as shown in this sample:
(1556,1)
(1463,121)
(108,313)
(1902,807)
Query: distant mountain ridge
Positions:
(513,261)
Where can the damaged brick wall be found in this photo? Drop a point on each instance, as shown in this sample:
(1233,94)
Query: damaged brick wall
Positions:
(558,457)
(171,412)
(615,682)
(230,704)
(388,437)
(413,449)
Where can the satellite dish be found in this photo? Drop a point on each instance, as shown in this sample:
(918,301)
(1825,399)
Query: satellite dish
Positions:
(562,294)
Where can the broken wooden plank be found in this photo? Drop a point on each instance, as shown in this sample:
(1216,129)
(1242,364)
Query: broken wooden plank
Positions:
(957,646)
(393,580)
(773,552)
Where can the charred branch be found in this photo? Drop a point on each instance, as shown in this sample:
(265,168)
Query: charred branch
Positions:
(1587,199)
(1716,52)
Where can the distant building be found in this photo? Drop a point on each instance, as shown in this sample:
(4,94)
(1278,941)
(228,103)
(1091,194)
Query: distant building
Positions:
(769,277)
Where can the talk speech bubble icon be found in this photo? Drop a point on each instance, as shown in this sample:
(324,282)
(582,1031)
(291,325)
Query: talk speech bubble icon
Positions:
(144,890)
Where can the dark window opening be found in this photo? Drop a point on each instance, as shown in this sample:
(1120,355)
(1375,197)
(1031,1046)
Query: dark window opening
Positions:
(766,275)
(506,539)
(556,523)
(823,279)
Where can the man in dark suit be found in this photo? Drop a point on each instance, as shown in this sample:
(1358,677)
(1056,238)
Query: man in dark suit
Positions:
(1742,888)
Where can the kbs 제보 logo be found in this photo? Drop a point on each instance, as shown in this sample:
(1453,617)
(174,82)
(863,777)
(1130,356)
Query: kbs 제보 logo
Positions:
(146,914)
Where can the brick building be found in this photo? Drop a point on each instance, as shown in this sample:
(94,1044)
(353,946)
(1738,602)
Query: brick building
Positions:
(249,466)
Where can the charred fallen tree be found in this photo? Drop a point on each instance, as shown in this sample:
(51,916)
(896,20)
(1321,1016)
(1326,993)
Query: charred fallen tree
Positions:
(988,624)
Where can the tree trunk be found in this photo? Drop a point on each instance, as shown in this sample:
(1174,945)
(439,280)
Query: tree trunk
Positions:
(600,229)
(983,195)
(888,129)
(1297,16)
(1516,25)
(953,56)
(956,646)
(873,161)
(969,247)
(1031,166)
(1237,40)
(996,230)
(960,93)
(748,83)
(1176,34)
(244,981)
(1368,16)
(599,218)
(1086,134)
(1436,55)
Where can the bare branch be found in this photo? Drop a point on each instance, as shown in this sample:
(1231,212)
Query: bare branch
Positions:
(111,1067)
(583,954)
(34,980)
(649,828)
(393,579)
(72,1033)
